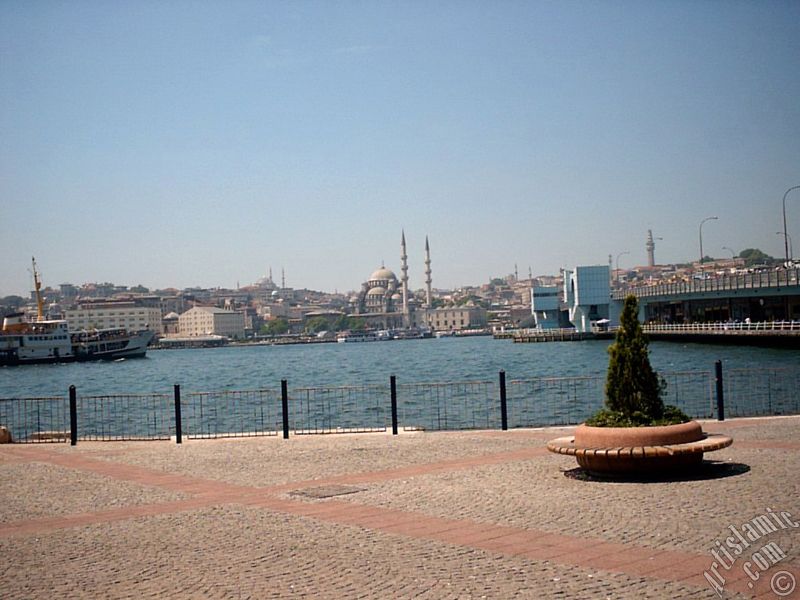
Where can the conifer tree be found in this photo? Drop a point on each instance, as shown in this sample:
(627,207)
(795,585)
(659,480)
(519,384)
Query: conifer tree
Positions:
(631,384)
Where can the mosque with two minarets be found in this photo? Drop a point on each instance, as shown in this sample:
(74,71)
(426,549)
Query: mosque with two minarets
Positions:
(386,302)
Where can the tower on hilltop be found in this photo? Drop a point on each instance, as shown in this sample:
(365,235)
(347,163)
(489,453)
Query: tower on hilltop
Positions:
(428,280)
(404,277)
(651,249)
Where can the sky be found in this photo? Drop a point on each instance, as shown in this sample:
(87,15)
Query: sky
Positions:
(180,144)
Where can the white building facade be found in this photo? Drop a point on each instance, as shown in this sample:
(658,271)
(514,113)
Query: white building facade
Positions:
(587,293)
(114,315)
(455,318)
(545,306)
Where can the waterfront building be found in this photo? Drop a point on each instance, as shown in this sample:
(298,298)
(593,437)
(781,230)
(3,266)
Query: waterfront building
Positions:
(587,294)
(210,320)
(455,318)
(545,306)
(130,314)
(171,323)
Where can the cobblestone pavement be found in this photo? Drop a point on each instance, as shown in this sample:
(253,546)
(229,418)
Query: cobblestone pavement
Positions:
(482,514)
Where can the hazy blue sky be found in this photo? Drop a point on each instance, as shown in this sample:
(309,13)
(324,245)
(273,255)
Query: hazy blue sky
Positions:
(198,143)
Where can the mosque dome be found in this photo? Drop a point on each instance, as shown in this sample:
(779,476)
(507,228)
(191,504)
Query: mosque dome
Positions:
(382,274)
(377,291)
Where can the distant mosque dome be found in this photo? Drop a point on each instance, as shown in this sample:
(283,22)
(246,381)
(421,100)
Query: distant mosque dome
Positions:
(383,293)
(383,274)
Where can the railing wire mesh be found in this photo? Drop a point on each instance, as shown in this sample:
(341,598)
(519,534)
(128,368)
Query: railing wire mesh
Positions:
(231,413)
(125,417)
(346,409)
(448,406)
(36,420)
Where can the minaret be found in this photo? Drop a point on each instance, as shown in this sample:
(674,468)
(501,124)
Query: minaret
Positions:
(651,248)
(428,280)
(283,278)
(404,278)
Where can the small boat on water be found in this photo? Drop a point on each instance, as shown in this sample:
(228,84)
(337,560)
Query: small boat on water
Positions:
(50,341)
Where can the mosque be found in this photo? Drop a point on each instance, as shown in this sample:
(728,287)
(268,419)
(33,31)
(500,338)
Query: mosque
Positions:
(384,300)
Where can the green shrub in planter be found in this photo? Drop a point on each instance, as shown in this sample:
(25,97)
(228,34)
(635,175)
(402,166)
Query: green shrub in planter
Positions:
(633,388)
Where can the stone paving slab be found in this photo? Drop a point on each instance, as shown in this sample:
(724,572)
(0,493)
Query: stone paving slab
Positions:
(436,515)
(26,493)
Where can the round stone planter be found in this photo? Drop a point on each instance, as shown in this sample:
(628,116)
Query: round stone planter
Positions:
(638,450)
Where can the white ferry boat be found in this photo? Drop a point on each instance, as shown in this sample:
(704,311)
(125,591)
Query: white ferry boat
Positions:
(357,336)
(50,341)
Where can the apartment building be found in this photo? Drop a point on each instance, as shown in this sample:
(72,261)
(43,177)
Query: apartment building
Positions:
(209,320)
(114,314)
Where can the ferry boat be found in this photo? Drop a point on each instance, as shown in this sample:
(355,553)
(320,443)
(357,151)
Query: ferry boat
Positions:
(50,341)
(357,336)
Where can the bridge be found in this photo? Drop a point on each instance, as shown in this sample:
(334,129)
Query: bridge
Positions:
(773,334)
(762,296)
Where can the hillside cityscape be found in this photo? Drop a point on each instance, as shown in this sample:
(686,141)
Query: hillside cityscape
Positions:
(270,308)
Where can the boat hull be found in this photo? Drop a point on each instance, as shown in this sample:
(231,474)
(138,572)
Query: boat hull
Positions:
(128,346)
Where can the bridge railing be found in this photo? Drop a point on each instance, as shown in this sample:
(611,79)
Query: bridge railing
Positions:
(721,327)
(718,283)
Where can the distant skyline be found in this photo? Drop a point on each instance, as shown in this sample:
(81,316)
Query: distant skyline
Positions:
(182,144)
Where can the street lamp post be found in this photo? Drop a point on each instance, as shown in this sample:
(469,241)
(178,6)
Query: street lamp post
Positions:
(733,254)
(790,255)
(786,231)
(618,255)
(701,237)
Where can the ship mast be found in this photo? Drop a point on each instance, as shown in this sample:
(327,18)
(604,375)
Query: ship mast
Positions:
(37,284)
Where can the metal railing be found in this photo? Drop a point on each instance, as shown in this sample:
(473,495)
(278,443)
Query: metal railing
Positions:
(448,406)
(36,419)
(532,402)
(231,413)
(125,417)
(553,400)
(721,327)
(762,392)
(347,409)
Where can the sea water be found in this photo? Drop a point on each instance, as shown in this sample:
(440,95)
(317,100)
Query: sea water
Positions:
(445,360)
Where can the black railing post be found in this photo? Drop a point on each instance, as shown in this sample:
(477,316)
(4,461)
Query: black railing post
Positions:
(393,388)
(720,392)
(503,404)
(178,424)
(285,408)
(73,416)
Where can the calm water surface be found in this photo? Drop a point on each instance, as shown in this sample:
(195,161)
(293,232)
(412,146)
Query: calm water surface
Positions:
(434,360)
